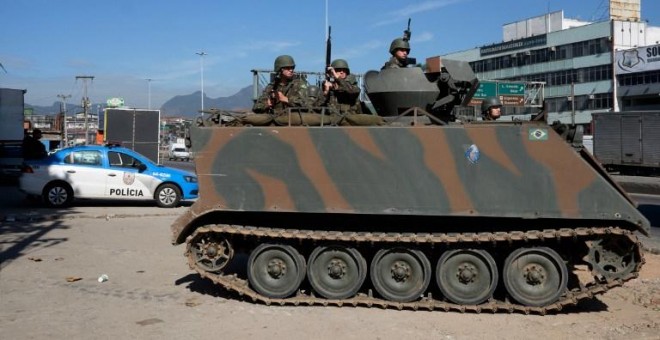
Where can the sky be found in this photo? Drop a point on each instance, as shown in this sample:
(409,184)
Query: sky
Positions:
(46,44)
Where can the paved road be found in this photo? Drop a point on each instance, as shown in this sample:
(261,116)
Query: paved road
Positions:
(49,290)
(649,205)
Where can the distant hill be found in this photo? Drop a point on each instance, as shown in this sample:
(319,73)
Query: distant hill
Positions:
(55,108)
(189,105)
(178,106)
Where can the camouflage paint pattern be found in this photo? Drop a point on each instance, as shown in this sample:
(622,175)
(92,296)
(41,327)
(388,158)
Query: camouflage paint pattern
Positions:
(520,170)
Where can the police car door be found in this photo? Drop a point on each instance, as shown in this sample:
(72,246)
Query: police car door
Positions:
(84,170)
(126,181)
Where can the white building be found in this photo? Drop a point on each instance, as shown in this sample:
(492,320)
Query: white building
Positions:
(586,66)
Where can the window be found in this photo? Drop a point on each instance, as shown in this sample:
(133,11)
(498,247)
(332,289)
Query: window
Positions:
(85,157)
(122,160)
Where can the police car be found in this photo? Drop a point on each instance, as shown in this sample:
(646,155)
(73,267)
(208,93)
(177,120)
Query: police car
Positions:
(106,172)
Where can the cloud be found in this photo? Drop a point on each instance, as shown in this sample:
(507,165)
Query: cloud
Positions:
(267,45)
(422,37)
(408,11)
(363,49)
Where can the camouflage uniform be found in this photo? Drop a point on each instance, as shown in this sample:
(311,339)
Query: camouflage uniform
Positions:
(295,91)
(398,43)
(315,98)
(394,63)
(346,97)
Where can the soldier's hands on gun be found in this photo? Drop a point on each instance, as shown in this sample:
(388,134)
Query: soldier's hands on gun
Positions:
(277,97)
(330,81)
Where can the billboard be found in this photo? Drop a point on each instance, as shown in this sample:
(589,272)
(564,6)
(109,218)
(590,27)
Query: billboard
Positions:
(136,129)
(638,59)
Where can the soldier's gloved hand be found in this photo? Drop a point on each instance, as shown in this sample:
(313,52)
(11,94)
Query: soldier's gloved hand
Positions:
(331,71)
(282,98)
(326,86)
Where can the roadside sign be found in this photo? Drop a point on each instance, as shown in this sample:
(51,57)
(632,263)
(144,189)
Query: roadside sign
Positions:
(115,102)
(511,89)
(512,100)
(485,89)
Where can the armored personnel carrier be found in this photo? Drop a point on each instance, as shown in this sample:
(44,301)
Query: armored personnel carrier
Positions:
(469,216)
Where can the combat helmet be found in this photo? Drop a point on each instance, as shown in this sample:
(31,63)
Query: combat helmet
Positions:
(489,102)
(313,91)
(283,61)
(399,43)
(341,63)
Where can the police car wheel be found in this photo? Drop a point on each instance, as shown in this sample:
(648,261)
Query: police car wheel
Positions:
(58,195)
(168,196)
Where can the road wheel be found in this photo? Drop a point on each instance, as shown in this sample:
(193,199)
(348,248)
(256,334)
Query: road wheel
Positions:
(336,272)
(58,195)
(400,274)
(275,270)
(168,196)
(466,276)
(535,277)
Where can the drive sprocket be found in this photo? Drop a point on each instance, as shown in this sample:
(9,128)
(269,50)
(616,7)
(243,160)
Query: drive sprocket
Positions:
(612,257)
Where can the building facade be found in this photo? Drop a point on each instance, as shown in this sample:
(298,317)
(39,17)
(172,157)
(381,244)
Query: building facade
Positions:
(586,66)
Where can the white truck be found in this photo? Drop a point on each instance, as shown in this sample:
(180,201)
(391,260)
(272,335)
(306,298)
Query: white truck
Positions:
(628,142)
(178,151)
(12,105)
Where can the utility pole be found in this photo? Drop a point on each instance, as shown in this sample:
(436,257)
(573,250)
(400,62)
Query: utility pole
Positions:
(85,103)
(66,132)
(572,103)
(201,55)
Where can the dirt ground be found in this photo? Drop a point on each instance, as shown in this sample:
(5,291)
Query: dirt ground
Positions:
(151,294)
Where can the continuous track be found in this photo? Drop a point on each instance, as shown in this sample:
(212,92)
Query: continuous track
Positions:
(427,302)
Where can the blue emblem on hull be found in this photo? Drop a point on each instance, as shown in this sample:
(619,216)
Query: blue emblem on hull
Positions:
(472,154)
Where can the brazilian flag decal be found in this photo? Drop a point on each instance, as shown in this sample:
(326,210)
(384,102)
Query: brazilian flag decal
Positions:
(538,134)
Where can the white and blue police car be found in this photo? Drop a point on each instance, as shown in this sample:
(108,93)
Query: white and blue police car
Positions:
(105,172)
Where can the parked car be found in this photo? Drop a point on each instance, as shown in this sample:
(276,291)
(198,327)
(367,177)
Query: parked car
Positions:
(178,152)
(105,172)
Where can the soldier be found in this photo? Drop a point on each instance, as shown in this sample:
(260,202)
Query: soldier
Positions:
(314,98)
(342,95)
(32,147)
(491,108)
(283,92)
(399,50)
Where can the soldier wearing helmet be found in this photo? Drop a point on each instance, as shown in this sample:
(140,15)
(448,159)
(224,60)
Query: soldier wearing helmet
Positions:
(399,49)
(491,108)
(284,91)
(342,95)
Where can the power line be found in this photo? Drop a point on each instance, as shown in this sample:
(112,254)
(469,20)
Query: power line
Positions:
(601,12)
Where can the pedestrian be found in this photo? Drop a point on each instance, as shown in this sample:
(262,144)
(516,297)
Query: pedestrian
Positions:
(32,147)
(343,94)
(399,49)
(491,108)
(285,91)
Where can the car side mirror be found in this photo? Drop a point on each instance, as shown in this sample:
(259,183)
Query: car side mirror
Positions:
(142,167)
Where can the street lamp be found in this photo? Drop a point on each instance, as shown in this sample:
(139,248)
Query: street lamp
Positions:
(201,55)
(149,92)
(65,140)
